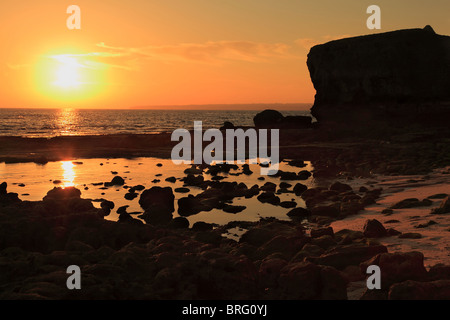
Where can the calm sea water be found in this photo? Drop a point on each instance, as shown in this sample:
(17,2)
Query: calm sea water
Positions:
(63,122)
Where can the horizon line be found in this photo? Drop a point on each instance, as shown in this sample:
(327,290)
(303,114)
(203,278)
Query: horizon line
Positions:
(251,106)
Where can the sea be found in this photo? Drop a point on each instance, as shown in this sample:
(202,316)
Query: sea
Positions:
(47,123)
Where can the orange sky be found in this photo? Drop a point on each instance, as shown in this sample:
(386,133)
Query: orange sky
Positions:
(176,52)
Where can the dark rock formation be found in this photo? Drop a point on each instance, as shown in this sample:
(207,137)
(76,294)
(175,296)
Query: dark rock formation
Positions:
(401,76)
(275,120)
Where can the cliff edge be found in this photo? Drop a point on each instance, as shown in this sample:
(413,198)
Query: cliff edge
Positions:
(401,76)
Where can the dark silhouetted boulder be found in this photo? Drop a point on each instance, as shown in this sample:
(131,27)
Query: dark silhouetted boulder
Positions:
(162,197)
(400,75)
(374,229)
(275,120)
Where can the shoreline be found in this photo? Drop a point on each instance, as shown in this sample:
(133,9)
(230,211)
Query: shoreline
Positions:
(171,259)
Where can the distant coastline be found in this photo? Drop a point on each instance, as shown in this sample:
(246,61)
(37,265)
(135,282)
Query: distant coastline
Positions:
(237,106)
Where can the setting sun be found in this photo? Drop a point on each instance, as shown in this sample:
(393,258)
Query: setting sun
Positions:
(67,74)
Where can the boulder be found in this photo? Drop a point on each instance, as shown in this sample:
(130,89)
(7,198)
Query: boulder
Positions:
(275,120)
(416,290)
(374,229)
(116,181)
(59,193)
(343,256)
(405,79)
(162,197)
(443,208)
(397,267)
(299,212)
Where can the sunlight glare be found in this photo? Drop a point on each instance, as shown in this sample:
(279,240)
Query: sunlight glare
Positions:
(68,174)
(67,75)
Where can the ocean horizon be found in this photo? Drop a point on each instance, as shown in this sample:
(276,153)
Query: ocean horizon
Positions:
(48,123)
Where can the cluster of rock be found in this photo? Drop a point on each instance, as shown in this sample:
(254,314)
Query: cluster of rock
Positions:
(128,260)
(272,119)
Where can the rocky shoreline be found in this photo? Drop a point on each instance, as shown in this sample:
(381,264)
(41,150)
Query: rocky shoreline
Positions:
(166,258)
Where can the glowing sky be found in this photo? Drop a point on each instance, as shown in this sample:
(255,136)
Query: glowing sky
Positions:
(147,52)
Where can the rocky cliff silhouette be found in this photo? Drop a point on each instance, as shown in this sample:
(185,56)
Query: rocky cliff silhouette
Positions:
(401,76)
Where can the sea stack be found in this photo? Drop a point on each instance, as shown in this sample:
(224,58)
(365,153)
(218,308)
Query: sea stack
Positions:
(400,76)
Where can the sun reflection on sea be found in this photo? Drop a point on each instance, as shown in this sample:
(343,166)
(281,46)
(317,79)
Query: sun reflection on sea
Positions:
(68,174)
(67,121)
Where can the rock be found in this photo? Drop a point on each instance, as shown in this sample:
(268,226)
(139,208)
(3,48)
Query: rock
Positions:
(116,181)
(319,232)
(193,170)
(182,190)
(58,193)
(410,235)
(107,206)
(350,207)
(286,175)
(288,204)
(392,232)
(191,205)
(299,189)
(285,185)
(334,285)
(443,208)
(279,244)
(269,197)
(246,169)
(426,225)
(122,209)
(363,189)
(416,290)
(227,125)
(325,211)
(340,187)
(269,271)
(130,195)
(157,214)
(374,229)
(439,272)
(308,250)
(343,256)
(304,175)
(158,196)
(268,118)
(179,223)
(397,267)
(274,119)
(404,81)
(411,203)
(299,212)
(171,179)
(3,187)
(438,196)
(202,226)
(325,241)
(269,187)
(300,281)
(348,236)
(192,180)
(297,163)
(233,209)
(208,237)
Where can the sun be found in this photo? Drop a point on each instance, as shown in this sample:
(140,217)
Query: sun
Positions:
(70,77)
(67,74)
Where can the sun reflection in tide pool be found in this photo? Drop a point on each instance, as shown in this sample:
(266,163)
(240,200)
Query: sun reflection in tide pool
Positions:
(68,174)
